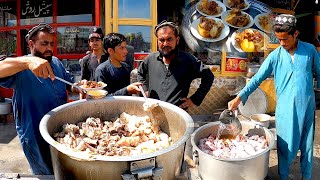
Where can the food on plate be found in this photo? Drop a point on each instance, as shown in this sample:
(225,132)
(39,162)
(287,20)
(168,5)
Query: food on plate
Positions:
(250,40)
(247,46)
(241,4)
(124,136)
(209,28)
(236,18)
(264,22)
(93,84)
(209,7)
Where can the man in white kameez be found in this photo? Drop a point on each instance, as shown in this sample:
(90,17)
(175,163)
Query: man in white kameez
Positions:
(293,63)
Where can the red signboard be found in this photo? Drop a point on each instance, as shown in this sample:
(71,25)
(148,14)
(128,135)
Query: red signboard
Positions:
(236,64)
(138,57)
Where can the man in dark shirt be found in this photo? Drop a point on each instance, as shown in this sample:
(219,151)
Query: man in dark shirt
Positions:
(91,61)
(115,72)
(171,71)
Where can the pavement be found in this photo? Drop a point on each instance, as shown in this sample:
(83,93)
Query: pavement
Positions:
(13,164)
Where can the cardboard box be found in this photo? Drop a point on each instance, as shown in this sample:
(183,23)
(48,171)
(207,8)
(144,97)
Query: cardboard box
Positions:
(234,66)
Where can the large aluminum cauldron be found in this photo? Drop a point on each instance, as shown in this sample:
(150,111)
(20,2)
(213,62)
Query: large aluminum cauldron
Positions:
(163,164)
(250,168)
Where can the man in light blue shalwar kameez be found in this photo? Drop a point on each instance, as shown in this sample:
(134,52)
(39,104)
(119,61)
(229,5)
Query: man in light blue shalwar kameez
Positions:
(293,63)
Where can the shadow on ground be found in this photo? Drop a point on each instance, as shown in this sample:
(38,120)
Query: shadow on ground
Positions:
(8,132)
(295,171)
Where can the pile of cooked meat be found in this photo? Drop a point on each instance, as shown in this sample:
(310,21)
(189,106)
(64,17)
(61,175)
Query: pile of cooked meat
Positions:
(239,147)
(127,135)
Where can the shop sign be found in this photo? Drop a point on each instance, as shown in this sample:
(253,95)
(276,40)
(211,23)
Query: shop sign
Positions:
(72,30)
(7,13)
(36,8)
(5,8)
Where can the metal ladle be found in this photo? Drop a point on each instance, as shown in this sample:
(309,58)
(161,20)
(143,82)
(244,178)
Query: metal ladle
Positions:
(67,82)
(147,105)
(230,120)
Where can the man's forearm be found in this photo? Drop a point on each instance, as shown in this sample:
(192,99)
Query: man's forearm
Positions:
(11,66)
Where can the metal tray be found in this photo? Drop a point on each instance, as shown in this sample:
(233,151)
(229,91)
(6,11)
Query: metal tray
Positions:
(257,103)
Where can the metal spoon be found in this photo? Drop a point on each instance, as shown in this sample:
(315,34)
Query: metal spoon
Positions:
(143,93)
(67,82)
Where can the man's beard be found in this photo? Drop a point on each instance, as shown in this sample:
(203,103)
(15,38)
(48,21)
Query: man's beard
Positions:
(41,55)
(170,53)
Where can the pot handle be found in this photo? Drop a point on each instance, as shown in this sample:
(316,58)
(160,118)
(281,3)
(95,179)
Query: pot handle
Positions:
(143,169)
(195,156)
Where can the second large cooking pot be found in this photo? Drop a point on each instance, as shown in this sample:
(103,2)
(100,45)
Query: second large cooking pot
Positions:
(164,164)
(250,168)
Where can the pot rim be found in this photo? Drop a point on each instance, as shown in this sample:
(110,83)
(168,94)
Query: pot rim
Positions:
(6,101)
(84,156)
(195,146)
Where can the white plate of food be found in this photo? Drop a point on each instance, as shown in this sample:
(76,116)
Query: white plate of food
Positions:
(244,5)
(93,85)
(263,21)
(228,16)
(203,9)
(249,40)
(219,32)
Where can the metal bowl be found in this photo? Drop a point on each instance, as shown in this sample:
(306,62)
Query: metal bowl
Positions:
(261,119)
(97,94)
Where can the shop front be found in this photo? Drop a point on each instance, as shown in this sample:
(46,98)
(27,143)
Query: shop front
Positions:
(73,25)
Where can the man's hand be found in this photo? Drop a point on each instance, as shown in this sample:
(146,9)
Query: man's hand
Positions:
(234,103)
(134,88)
(187,103)
(40,67)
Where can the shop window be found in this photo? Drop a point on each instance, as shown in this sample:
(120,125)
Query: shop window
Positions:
(8,43)
(36,11)
(73,40)
(134,9)
(137,36)
(67,12)
(8,14)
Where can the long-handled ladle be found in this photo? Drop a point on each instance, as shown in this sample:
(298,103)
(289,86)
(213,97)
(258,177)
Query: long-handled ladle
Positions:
(67,82)
(147,105)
